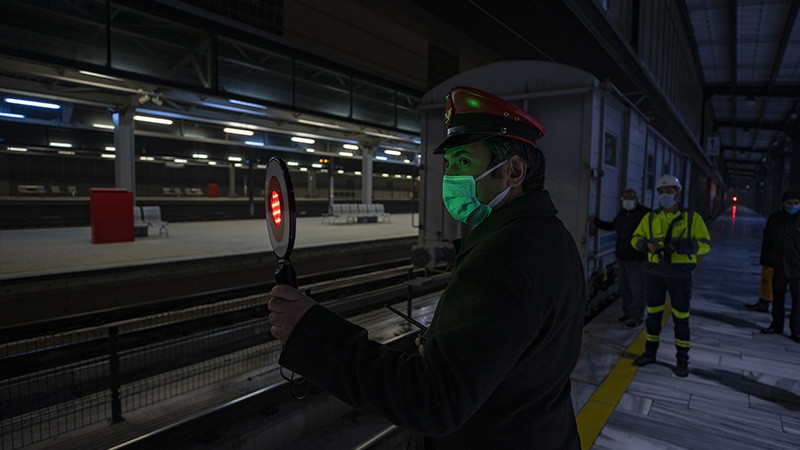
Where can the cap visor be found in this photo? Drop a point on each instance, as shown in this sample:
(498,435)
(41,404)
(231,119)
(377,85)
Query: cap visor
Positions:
(459,140)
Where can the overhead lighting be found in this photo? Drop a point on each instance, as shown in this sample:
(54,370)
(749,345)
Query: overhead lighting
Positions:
(243,125)
(98,75)
(238,165)
(407,161)
(357,172)
(385,175)
(381,158)
(409,177)
(12,115)
(19,101)
(60,144)
(180,161)
(234,158)
(350,146)
(254,143)
(340,171)
(292,163)
(318,124)
(111,149)
(397,175)
(304,169)
(310,150)
(303,140)
(238,131)
(103,126)
(212,163)
(345,153)
(261,166)
(147,158)
(17,149)
(392,152)
(65,152)
(108,155)
(252,105)
(416,140)
(317,166)
(149,119)
(199,155)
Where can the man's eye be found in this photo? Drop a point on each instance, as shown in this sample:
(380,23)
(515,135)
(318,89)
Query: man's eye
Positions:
(463,162)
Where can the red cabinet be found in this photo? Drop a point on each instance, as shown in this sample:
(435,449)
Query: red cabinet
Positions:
(111,213)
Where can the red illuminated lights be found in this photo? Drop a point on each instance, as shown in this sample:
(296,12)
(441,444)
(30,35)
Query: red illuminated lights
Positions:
(275,207)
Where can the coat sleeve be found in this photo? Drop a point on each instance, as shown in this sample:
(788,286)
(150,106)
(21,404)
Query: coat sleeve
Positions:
(480,330)
(641,236)
(767,244)
(700,235)
(603,225)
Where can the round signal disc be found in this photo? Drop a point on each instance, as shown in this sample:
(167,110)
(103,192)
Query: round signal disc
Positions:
(280,208)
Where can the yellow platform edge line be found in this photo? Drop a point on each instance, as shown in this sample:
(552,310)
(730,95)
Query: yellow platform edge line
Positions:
(595,413)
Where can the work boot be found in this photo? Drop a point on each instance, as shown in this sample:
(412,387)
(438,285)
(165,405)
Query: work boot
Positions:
(644,359)
(622,318)
(633,323)
(757,306)
(681,369)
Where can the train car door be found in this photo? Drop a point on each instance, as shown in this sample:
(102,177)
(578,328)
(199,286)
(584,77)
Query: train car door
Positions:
(608,190)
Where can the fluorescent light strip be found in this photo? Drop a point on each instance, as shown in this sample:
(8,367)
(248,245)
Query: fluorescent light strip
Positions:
(303,140)
(357,172)
(385,175)
(19,101)
(381,158)
(65,152)
(304,169)
(181,160)
(111,149)
(98,75)
(147,158)
(254,143)
(108,155)
(60,144)
(317,166)
(292,163)
(350,146)
(238,131)
(149,119)
(246,126)
(12,115)
(392,152)
(310,150)
(212,163)
(199,156)
(318,124)
(345,153)
(103,126)
(238,165)
(17,149)
(340,171)
(234,158)
(252,105)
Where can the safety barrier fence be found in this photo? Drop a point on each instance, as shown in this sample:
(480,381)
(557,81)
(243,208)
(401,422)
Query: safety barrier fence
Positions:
(55,383)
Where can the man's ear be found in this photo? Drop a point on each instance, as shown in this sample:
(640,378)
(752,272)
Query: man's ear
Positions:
(516,171)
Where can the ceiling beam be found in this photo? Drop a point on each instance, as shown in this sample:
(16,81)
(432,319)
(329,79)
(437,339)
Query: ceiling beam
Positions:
(750,124)
(755,90)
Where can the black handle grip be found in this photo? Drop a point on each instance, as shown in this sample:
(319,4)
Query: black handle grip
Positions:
(285,274)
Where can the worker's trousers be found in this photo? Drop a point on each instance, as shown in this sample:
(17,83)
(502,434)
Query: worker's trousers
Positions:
(680,291)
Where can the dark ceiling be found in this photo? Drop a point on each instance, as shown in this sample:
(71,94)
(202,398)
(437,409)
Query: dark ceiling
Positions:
(747,53)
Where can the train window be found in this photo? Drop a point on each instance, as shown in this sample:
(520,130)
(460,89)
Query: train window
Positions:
(651,172)
(610,150)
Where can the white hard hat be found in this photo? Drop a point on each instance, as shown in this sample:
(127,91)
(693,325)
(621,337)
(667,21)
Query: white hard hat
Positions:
(668,180)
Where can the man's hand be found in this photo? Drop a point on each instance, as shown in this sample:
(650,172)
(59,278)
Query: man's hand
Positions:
(287,306)
(652,247)
(420,345)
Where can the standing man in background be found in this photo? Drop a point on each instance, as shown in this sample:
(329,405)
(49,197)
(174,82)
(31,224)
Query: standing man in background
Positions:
(673,239)
(780,249)
(630,261)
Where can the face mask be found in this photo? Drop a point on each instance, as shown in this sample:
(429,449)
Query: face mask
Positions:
(791,209)
(629,204)
(461,201)
(666,200)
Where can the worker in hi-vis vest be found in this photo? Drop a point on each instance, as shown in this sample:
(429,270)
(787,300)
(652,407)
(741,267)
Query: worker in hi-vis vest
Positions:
(673,238)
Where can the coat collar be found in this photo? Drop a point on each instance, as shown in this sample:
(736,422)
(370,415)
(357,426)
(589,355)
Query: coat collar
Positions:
(532,204)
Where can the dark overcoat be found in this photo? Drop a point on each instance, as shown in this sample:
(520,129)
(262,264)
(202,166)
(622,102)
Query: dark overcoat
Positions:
(503,341)
(780,246)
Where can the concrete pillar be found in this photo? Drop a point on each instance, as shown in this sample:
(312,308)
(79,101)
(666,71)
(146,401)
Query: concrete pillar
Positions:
(366,174)
(125,161)
(330,186)
(311,178)
(231,180)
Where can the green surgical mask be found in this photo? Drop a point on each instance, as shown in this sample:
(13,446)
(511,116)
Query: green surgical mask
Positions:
(461,201)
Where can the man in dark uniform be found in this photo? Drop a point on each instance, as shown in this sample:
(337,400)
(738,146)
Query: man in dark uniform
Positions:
(630,261)
(780,249)
(495,366)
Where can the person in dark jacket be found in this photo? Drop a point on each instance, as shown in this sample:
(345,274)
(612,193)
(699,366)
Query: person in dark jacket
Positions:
(631,262)
(780,249)
(494,368)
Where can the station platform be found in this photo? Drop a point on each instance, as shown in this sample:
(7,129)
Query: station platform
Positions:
(743,389)
(48,251)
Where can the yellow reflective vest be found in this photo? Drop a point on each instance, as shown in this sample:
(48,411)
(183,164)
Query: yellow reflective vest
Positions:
(688,237)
